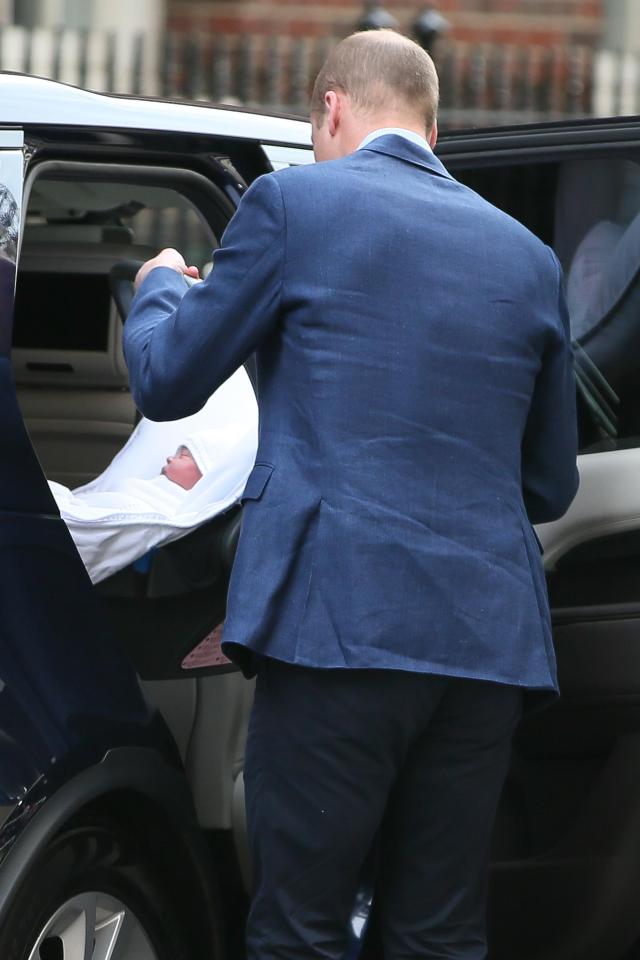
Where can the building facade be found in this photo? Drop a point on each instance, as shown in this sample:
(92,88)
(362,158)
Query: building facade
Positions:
(500,61)
(119,16)
(543,22)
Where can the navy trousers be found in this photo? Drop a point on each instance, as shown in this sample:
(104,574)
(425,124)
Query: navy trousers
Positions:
(341,760)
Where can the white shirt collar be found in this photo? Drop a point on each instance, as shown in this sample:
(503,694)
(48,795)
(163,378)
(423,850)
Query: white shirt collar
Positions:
(400,132)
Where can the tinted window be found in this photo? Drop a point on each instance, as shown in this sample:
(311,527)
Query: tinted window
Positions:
(597,238)
(125,213)
(588,211)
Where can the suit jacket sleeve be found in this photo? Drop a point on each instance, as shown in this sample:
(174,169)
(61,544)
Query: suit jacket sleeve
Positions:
(182,342)
(550,443)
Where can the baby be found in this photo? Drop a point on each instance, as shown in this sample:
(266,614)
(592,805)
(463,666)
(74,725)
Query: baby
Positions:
(145,498)
(181,468)
(161,493)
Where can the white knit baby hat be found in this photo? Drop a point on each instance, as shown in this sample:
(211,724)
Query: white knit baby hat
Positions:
(201,446)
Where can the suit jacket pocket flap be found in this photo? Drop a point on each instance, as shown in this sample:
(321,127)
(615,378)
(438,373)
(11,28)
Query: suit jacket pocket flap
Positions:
(258,479)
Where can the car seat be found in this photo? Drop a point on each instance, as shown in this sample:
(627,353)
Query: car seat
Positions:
(168,610)
(164,605)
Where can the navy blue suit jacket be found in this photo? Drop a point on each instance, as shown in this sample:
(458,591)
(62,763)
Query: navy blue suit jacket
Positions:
(417,411)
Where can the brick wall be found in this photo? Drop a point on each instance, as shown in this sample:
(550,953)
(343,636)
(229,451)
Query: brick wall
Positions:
(543,22)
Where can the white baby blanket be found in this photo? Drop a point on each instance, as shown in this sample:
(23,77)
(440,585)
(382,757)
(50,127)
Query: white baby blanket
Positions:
(130,508)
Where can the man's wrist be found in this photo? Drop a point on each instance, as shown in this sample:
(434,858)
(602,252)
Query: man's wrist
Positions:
(148,269)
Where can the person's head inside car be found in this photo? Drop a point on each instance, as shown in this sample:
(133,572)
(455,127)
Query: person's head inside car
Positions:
(372,80)
(181,468)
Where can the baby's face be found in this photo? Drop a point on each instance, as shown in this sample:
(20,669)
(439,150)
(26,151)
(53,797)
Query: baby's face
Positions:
(182,469)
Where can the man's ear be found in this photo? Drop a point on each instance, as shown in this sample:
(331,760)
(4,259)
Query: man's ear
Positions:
(332,104)
(433,136)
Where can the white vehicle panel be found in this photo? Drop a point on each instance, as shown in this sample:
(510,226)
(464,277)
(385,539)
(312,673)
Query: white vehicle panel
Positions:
(33,100)
(281,157)
(607,502)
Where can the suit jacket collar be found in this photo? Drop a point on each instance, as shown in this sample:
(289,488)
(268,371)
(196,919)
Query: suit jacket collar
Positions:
(403,149)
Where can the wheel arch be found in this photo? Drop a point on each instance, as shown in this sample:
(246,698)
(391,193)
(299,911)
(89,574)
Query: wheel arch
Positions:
(136,789)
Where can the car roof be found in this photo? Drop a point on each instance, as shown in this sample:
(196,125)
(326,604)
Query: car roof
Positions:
(27,100)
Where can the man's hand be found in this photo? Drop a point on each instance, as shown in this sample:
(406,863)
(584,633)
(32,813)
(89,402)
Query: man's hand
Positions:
(166,258)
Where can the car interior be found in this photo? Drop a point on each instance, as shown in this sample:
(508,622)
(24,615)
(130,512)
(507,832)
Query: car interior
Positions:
(574,786)
(72,386)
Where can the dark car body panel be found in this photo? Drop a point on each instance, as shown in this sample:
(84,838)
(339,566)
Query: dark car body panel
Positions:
(75,725)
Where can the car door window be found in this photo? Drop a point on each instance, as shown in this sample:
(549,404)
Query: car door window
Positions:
(67,342)
(587,209)
(598,241)
(21,489)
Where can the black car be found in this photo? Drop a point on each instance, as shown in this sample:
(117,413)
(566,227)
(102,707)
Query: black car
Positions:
(121,796)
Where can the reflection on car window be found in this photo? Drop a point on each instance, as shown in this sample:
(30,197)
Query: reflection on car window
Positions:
(598,242)
(9,225)
(140,215)
(177,225)
(75,231)
(9,230)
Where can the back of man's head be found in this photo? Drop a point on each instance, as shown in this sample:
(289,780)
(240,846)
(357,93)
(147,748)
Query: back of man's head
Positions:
(384,75)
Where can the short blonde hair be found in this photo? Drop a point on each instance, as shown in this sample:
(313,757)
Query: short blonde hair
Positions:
(376,67)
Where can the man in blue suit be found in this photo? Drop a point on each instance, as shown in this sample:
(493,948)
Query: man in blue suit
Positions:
(417,414)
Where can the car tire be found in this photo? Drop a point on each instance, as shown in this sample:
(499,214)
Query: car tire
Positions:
(94,882)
